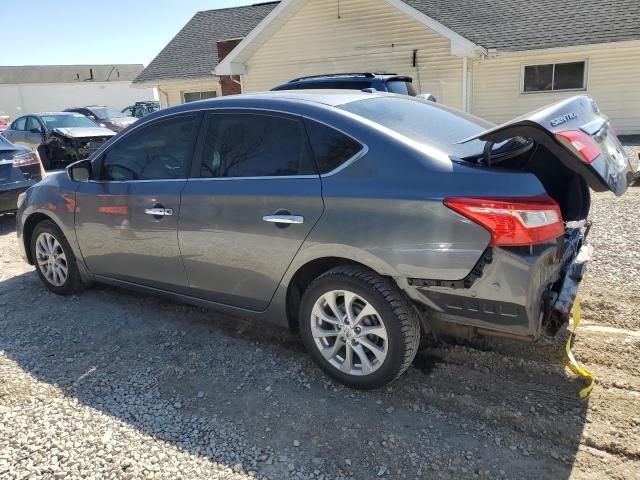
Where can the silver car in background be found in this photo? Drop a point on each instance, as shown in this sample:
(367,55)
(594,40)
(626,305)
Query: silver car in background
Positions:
(363,220)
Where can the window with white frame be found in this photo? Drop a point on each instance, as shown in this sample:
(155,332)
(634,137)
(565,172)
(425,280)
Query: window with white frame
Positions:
(551,77)
(194,96)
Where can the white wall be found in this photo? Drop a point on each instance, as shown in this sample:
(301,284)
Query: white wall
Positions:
(613,80)
(170,93)
(16,100)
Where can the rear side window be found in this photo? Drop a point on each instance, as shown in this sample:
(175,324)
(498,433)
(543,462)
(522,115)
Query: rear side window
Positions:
(155,152)
(331,148)
(255,145)
(425,122)
(402,87)
(19,124)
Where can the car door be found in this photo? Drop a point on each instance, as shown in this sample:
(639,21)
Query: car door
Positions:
(127,216)
(253,198)
(15,133)
(34,133)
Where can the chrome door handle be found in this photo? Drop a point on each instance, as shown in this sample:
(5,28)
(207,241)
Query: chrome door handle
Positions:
(283,218)
(159,212)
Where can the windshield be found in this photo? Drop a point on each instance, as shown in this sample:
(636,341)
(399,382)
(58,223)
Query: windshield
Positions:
(104,113)
(425,122)
(402,87)
(67,121)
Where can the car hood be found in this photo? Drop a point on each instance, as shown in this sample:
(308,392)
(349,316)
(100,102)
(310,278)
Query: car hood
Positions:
(80,132)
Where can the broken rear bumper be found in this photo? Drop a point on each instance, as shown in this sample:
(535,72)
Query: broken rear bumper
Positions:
(519,291)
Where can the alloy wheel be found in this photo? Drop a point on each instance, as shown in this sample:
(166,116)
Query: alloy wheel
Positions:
(348,332)
(51,259)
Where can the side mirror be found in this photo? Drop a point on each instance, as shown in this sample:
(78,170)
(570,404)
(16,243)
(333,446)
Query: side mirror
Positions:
(426,96)
(92,117)
(80,171)
(35,130)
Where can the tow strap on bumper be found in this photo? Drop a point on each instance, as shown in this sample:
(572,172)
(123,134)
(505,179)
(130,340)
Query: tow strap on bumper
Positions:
(573,364)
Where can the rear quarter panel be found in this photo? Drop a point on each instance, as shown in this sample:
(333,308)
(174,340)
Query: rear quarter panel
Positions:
(385,210)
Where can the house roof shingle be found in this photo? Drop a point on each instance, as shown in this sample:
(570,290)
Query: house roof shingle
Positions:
(516,25)
(192,53)
(507,25)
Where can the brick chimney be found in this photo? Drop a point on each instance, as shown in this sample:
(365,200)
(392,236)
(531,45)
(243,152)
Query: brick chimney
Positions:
(230,84)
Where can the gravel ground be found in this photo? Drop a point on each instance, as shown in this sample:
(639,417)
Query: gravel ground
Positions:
(112,384)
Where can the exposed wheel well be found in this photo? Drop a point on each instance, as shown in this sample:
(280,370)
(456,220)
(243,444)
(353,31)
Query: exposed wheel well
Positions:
(33,220)
(303,277)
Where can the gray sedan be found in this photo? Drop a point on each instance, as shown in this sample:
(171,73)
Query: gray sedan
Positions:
(363,220)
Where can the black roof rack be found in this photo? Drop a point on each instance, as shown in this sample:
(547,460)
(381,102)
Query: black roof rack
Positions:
(348,74)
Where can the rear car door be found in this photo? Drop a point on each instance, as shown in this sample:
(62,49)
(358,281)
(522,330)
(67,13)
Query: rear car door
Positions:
(127,216)
(253,198)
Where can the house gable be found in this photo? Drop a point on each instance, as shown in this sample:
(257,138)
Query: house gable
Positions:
(362,36)
(234,63)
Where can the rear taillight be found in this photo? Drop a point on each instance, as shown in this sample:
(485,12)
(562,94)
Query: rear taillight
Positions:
(581,143)
(25,159)
(513,221)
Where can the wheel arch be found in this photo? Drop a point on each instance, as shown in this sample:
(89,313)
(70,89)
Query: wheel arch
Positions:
(27,231)
(305,274)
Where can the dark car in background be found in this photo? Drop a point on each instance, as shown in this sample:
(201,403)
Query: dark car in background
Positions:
(141,109)
(381,82)
(364,220)
(59,138)
(105,117)
(19,169)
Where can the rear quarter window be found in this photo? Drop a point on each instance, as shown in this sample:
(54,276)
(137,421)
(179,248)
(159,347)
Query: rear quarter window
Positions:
(331,148)
(424,122)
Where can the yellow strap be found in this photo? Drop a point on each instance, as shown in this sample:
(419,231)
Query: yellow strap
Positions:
(573,364)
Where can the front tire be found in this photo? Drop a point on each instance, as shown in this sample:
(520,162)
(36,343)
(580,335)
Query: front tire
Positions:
(54,260)
(359,327)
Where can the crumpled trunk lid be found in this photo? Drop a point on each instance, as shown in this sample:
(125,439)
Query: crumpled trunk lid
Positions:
(611,170)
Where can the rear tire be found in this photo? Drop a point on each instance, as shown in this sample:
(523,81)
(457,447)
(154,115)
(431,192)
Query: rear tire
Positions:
(337,311)
(54,260)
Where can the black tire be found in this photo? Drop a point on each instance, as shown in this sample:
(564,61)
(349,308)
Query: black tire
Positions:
(395,311)
(73,282)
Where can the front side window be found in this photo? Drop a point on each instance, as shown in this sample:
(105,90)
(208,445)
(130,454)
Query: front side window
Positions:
(255,145)
(554,76)
(331,148)
(195,96)
(33,124)
(155,152)
(19,124)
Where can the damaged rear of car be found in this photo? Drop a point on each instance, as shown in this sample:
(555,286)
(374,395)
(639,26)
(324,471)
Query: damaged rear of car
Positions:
(526,279)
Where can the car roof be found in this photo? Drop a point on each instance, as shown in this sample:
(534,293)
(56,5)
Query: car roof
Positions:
(40,114)
(328,97)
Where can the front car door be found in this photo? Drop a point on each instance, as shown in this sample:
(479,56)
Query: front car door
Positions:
(34,133)
(253,172)
(15,133)
(127,216)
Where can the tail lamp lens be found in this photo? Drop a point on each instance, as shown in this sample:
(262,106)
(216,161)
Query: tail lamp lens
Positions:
(513,221)
(25,159)
(580,142)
